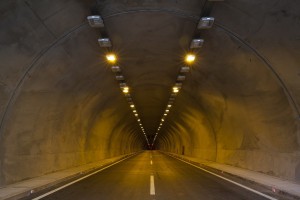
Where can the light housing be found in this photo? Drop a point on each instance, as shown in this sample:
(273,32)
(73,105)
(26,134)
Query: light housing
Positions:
(175,89)
(185,69)
(206,23)
(196,43)
(123,85)
(180,78)
(125,90)
(115,69)
(95,21)
(120,78)
(104,42)
(111,58)
(190,58)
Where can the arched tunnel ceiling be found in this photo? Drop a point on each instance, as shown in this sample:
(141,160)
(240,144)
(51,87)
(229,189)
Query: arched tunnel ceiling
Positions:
(60,105)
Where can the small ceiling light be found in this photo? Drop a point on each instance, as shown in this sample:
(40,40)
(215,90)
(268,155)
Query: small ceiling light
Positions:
(206,22)
(165,114)
(95,21)
(138,120)
(120,78)
(104,42)
(169,106)
(178,85)
(132,106)
(136,115)
(162,120)
(180,78)
(196,43)
(184,69)
(190,58)
(167,110)
(123,85)
(115,69)
(175,89)
(111,58)
(134,111)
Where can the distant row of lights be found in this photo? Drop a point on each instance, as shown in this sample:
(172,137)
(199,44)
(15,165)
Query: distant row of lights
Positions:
(204,23)
(97,22)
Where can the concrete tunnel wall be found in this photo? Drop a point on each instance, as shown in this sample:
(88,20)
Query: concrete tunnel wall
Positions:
(60,106)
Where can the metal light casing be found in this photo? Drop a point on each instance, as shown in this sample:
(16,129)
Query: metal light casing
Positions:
(206,23)
(95,21)
(196,43)
(120,78)
(115,69)
(185,69)
(104,42)
(180,78)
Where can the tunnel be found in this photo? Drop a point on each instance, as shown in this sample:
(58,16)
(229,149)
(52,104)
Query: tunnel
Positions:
(64,105)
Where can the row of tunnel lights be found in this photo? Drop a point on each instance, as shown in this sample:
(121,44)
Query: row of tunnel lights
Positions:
(97,22)
(112,59)
(204,23)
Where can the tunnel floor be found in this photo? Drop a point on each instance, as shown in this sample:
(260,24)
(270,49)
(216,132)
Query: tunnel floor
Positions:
(153,175)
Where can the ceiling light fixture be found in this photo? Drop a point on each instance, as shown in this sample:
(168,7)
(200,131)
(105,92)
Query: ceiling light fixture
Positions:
(206,22)
(95,21)
(175,89)
(190,58)
(196,43)
(111,58)
(184,69)
(104,42)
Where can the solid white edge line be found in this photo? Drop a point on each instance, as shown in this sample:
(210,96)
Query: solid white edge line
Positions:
(152,187)
(71,183)
(231,181)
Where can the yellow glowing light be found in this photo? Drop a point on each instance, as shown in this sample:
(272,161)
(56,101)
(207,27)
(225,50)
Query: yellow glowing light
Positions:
(190,58)
(162,120)
(175,89)
(165,114)
(134,111)
(132,106)
(167,110)
(169,106)
(136,115)
(125,90)
(111,58)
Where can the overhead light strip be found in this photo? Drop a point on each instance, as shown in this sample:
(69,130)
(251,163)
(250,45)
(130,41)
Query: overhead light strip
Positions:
(96,21)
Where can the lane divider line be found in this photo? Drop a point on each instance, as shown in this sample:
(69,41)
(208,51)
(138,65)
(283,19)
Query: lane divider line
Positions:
(77,180)
(152,187)
(151,162)
(231,181)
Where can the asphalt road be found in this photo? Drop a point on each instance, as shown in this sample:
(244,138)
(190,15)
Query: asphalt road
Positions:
(153,176)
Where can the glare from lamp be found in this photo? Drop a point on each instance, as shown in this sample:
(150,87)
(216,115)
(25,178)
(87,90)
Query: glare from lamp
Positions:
(125,90)
(190,58)
(111,58)
(175,89)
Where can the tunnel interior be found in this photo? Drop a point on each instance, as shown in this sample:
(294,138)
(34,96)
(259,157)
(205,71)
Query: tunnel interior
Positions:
(61,105)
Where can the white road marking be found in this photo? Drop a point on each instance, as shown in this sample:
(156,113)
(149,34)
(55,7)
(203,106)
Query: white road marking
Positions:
(71,183)
(152,188)
(231,181)
(151,162)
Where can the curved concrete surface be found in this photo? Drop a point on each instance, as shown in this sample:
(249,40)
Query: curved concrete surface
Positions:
(60,105)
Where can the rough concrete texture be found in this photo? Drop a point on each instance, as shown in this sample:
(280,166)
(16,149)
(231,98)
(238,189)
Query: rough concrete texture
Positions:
(61,107)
